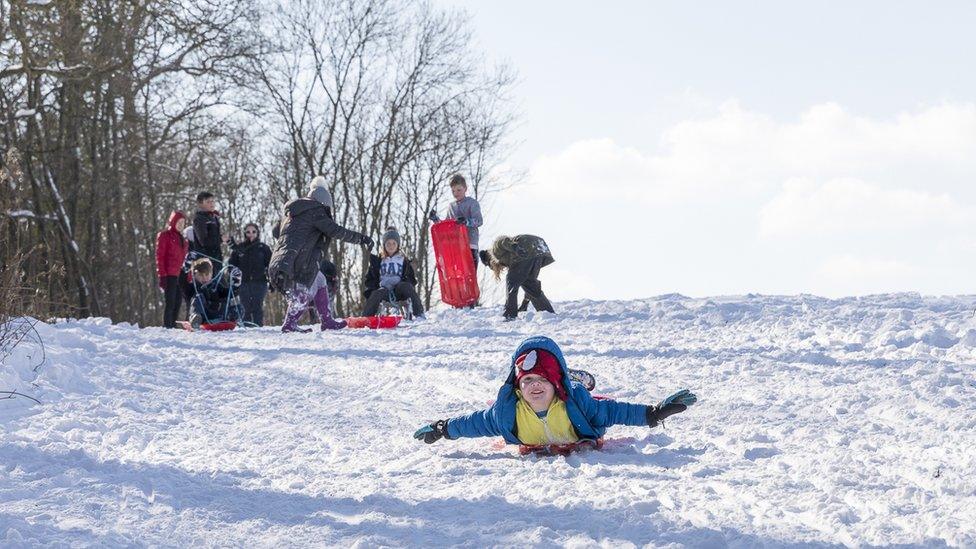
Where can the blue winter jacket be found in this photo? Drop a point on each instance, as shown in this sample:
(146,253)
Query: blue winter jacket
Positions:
(589,417)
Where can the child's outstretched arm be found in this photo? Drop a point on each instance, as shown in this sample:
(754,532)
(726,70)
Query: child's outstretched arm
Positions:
(605,413)
(476,424)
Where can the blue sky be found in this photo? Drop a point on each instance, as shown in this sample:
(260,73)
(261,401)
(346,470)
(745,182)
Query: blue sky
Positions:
(730,147)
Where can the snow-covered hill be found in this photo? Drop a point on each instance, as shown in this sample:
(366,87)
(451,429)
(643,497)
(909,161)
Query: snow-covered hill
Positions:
(822,422)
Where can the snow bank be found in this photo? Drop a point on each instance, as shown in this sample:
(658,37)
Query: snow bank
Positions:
(821,422)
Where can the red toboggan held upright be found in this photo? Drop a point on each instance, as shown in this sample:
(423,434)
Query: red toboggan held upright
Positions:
(455,269)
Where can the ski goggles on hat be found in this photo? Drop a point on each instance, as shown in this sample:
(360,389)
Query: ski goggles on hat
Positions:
(528,361)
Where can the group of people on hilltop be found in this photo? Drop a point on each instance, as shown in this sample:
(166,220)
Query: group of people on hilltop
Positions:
(192,270)
(538,404)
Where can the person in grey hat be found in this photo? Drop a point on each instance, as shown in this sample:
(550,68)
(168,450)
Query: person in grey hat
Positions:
(390,277)
(304,233)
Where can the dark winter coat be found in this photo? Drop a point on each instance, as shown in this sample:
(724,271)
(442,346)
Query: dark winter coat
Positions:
(252,258)
(304,234)
(210,300)
(509,251)
(372,278)
(206,233)
(171,248)
(590,417)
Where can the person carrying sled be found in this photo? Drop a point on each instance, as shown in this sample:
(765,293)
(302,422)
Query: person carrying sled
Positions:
(391,277)
(213,299)
(303,235)
(252,257)
(465,210)
(171,250)
(539,405)
(524,256)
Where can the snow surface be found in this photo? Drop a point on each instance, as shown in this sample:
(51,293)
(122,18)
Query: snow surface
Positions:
(821,422)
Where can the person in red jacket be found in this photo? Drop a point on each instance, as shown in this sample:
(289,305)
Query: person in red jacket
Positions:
(171,250)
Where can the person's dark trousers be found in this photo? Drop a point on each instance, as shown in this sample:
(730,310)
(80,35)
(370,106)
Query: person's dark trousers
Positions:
(252,300)
(401,291)
(173,297)
(474,257)
(525,275)
(186,292)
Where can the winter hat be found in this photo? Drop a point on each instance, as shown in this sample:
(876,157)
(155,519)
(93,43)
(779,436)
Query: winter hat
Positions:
(320,191)
(175,218)
(391,234)
(541,363)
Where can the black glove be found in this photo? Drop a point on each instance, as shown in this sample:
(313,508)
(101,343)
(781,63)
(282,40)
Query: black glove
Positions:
(461,220)
(432,216)
(433,432)
(485,257)
(674,404)
(366,241)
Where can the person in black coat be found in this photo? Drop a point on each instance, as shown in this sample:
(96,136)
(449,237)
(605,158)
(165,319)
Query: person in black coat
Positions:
(390,277)
(206,230)
(304,234)
(252,257)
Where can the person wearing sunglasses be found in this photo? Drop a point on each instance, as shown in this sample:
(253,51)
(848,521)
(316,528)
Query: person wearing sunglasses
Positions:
(252,257)
(539,405)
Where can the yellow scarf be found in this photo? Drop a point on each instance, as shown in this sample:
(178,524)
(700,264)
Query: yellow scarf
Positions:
(554,428)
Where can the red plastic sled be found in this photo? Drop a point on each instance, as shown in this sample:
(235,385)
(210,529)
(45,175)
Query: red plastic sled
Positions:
(455,270)
(214,327)
(373,322)
(560,449)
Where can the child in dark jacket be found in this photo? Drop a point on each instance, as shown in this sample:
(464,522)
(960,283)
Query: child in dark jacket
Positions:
(524,256)
(390,275)
(538,405)
(206,230)
(212,298)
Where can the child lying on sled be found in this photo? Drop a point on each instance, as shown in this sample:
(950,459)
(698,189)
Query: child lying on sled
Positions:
(539,406)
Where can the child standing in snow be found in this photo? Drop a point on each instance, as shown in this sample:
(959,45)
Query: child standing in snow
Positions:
(171,250)
(538,405)
(391,276)
(466,211)
(212,299)
(206,229)
(305,231)
(524,256)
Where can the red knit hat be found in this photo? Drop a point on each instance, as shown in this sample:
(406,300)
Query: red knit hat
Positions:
(541,363)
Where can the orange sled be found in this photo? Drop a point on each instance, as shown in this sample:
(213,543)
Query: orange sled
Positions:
(373,322)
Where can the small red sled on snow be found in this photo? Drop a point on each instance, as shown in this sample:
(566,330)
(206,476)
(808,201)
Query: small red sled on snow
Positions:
(212,327)
(560,449)
(374,322)
(455,268)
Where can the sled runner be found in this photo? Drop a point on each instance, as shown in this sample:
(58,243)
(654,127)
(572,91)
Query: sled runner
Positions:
(373,322)
(455,268)
(212,327)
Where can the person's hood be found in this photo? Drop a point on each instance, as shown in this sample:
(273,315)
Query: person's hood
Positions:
(546,344)
(175,218)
